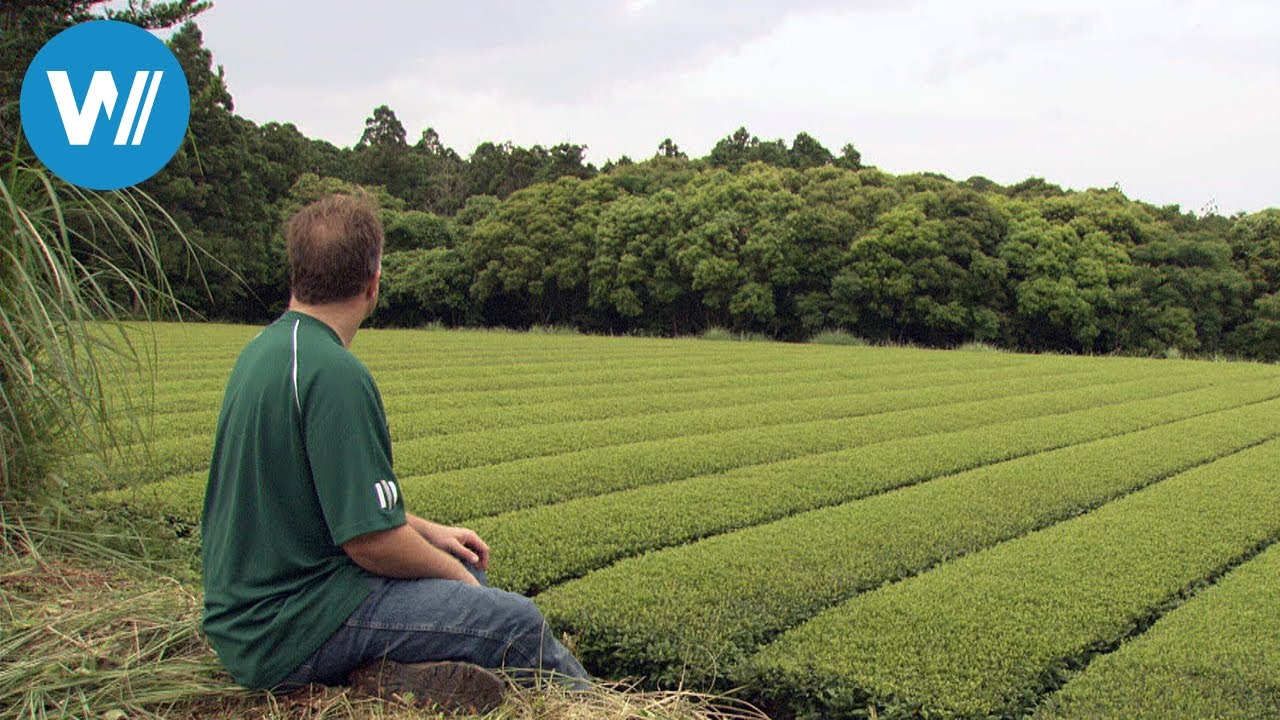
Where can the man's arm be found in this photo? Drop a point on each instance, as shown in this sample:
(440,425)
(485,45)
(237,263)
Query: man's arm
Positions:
(459,542)
(404,552)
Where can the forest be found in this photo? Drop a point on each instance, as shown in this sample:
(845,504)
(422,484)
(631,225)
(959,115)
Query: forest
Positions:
(762,237)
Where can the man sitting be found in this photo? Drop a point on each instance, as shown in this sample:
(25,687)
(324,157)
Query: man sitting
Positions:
(312,567)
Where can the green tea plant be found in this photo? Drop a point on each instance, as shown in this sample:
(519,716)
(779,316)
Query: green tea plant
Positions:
(1216,656)
(696,611)
(985,635)
(548,544)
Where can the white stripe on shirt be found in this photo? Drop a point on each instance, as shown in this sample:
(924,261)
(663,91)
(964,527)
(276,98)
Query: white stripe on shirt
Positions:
(296,400)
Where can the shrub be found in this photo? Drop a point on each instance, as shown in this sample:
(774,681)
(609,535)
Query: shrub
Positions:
(695,611)
(838,337)
(1216,656)
(548,544)
(985,635)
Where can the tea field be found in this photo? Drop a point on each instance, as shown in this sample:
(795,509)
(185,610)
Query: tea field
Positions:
(842,531)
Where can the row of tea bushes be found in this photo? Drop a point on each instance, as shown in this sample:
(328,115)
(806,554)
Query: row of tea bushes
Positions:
(475,492)
(541,546)
(1218,656)
(695,611)
(985,635)
(457,451)
(464,413)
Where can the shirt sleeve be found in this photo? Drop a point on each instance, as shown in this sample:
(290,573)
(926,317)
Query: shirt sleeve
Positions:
(349,450)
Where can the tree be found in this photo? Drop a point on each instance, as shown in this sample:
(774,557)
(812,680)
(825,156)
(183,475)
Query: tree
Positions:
(806,152)
(634,281)
(1255,246)
(926,272)
(669,149)
(1260,337)
(742,147)
(850,158)
(734,247)
(500,169)
(622,162)
(220,187)
(288,154)
(328,160)
(735,150)
(653,175)
(838,207)
(1034,188)
(981,184)
(311,187)
(564,160)
(530,256)
(1190,279)
(424,286)
(429,144)
(440,185)
(771,152)
(1066,286)
(382,130)
(417,230)
(382,157)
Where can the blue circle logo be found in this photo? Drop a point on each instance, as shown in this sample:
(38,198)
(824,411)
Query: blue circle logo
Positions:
(105,105)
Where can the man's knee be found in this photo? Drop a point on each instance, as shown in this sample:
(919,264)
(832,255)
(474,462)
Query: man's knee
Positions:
(533,638)
(525,617)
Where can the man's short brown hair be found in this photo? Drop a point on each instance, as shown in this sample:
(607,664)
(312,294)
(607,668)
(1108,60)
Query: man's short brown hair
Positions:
(335,248)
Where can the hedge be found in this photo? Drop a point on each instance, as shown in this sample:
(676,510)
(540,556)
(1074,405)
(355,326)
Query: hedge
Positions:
(1218,656)
(460,495)
(540,546)
(693,612)
(985,636)
(457,451)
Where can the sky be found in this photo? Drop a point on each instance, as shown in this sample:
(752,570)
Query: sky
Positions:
(1173,101)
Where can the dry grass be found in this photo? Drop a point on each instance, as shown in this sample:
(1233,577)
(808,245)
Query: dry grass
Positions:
(604,702)
(88,632)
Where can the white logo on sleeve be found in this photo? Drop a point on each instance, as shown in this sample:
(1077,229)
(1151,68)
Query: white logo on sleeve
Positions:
(387,492)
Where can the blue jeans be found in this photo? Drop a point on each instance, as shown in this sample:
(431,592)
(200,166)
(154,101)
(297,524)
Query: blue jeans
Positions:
(430,620)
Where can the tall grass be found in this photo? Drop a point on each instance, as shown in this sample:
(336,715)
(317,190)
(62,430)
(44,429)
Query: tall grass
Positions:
(73,263)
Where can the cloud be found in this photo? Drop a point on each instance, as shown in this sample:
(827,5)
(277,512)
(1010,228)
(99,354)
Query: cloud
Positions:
(556,50)
(994,38)
(1164,96)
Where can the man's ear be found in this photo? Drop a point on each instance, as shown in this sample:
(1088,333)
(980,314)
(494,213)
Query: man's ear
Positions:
(371,292)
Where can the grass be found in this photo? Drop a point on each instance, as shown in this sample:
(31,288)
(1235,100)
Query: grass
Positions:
(975,346)
(838,337)
(72,262)
(90,630)
(720,334)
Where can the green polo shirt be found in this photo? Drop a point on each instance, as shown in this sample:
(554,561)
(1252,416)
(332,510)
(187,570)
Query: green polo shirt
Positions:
(301,464)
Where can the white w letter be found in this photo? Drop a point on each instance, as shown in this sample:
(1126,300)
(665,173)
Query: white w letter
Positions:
(79,122)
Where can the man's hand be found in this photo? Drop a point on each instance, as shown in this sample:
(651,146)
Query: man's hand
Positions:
(459,542)
(402,552)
